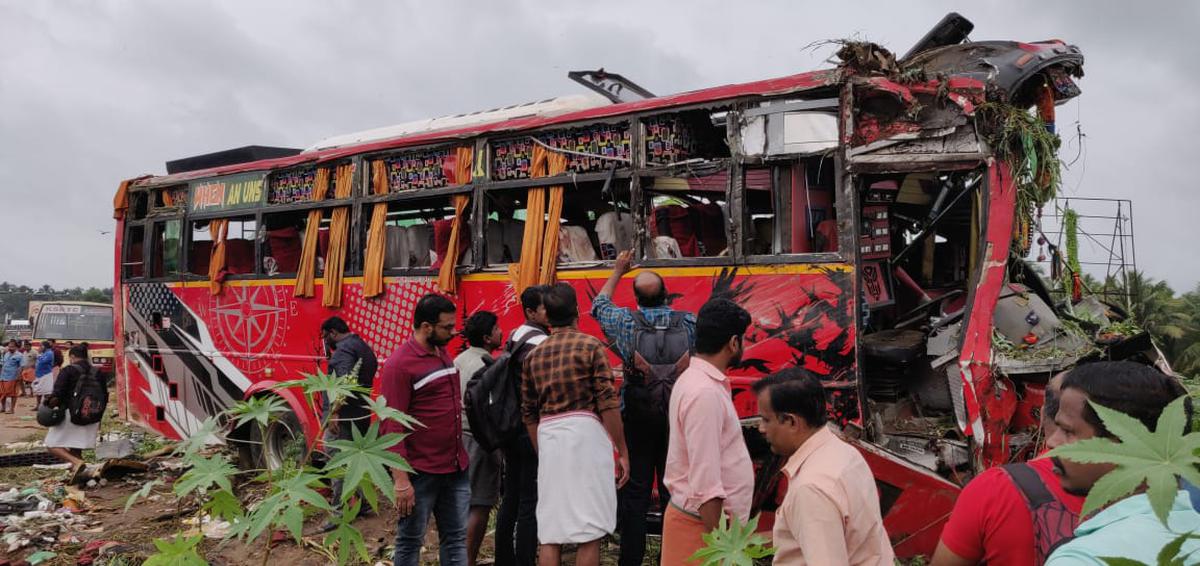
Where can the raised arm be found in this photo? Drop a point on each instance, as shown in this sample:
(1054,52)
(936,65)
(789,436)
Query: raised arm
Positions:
(620,268)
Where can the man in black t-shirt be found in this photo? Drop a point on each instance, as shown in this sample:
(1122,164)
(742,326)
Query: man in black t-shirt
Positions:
(348,351)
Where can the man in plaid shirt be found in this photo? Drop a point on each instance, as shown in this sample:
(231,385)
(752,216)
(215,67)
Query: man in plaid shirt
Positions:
(647,435)
(572,412)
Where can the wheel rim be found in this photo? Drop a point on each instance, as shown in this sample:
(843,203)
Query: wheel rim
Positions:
(284,443)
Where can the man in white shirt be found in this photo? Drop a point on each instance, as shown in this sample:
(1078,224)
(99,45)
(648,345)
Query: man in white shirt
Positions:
(484,336)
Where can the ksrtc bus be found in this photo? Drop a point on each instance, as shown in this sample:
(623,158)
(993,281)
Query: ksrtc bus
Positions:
(78,321)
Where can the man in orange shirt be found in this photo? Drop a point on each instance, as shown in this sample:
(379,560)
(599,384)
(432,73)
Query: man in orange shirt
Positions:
(830,514)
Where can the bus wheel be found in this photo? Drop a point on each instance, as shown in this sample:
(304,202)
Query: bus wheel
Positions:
(284,442)
(248,441)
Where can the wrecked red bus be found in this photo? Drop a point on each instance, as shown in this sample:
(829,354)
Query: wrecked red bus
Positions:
(864,215)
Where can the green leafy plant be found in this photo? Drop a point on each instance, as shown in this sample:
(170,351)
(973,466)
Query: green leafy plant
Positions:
(733,543)
(363,464)
(180,551)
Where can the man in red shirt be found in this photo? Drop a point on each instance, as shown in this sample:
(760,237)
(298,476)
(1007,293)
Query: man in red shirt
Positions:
(993,520)
(420,379)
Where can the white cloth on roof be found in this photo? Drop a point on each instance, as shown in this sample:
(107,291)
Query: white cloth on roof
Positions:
(576,480)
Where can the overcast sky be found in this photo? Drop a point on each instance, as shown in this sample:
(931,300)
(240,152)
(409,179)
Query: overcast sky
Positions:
(92,92)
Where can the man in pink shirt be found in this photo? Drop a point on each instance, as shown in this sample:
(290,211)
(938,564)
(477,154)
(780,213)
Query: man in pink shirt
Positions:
(708,468)
(830,514)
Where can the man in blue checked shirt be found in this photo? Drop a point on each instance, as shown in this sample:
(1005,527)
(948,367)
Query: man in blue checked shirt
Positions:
(646,430)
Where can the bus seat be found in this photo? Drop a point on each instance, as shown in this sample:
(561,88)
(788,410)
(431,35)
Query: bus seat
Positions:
(322,242)
(137,267)
(615,233)
(396,252)
(574,245)
(709,222)
(199,256)
(674,220)
(239,256)
(503,240)
(441,240)
(286,247)
(826,237)
(420,243)
(764,236)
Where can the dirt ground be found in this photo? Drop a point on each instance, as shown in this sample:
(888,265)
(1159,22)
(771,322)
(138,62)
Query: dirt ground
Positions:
(158,516)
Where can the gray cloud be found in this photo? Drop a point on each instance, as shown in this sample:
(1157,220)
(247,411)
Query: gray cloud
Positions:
(93,92)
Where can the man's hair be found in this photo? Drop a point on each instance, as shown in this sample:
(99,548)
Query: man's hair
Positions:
(657,299)
(796,391)
(479,327)
(335,324)
(430,308)
(1135,389)
(531,297)
(562,306)
(717,322)
(46,344)
(13,342)
(80,351)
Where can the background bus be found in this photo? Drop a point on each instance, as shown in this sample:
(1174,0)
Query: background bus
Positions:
(78,321)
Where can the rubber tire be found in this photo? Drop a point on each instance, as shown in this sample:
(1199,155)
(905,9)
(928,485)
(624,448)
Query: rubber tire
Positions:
(276,443)
(248,442)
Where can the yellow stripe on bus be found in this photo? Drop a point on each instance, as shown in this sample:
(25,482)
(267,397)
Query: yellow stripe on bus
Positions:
(691,271)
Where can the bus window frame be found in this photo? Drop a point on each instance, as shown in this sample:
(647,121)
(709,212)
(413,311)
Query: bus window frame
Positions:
(364,204)
(154,250)
(797,257)
(485,185)
(189,230)
(126,248)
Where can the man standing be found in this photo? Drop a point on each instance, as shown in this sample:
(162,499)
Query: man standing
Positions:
(419,379)
(830,514)
(645,420)
(10,377)
(28,360)
(709,471)
(484,336)
(571,410)
(44,371)
(516,520)
(998,512)
(1127,528)
(349,352)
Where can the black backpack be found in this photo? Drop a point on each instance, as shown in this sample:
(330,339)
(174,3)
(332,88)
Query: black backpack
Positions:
(90,398)
(661,353)
(1053,523)
(493,397)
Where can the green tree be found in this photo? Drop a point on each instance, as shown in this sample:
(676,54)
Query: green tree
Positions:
(1156,309)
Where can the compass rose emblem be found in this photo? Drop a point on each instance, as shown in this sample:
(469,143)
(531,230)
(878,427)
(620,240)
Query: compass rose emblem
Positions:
(250,318)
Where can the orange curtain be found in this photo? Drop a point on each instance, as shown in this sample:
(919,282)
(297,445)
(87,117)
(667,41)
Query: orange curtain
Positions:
(168,200)
(539,245)
(339,233)
(306,272)
(376,235)
(462,176)
(556,164)
(218,230)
